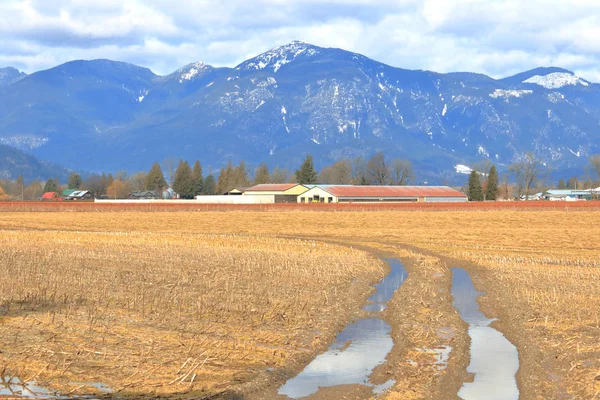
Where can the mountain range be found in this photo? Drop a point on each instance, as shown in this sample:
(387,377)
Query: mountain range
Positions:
(103,115)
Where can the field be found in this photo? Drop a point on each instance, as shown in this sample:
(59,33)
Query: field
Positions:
(145,301)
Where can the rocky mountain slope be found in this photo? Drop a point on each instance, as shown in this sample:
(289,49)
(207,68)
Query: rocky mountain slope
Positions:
(297,99)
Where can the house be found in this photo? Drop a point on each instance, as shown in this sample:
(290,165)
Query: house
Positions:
(80,195)
(50,196)
(144,195)
(281,192)
(380,194)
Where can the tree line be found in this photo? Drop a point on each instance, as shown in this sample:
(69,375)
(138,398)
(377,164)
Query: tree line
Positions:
(529,174)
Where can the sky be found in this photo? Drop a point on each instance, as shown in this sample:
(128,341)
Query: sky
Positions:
(495,37)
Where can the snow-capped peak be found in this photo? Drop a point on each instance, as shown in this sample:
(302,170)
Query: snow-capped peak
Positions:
(556,80)
(188,72)
(279,56)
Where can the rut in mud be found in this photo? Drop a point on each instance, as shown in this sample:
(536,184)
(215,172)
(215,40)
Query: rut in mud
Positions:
(359,348)
(494,360)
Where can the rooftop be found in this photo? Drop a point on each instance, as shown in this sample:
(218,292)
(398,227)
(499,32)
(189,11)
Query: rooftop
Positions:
(391,191)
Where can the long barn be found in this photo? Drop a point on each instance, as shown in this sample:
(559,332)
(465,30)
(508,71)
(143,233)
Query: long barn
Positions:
(380,194)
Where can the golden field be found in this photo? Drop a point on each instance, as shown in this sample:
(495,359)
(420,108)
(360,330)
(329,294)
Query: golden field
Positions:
(134,274)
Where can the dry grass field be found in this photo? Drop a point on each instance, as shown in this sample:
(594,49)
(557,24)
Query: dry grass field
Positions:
(163,313)
(540,270)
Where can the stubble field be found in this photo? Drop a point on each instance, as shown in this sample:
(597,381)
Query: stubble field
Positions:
(137,300)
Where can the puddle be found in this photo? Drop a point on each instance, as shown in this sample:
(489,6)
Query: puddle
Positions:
(494,360)
(387,287)
(442,354)
(358,349)
(30,390)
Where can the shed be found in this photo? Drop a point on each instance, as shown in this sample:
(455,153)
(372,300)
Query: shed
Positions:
(566,195)
(50,196)
(380,194)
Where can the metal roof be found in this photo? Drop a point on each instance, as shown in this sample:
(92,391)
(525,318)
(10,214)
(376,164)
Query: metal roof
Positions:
(48,195)
(79,193)
(392,191)
(271,187)
(566,192)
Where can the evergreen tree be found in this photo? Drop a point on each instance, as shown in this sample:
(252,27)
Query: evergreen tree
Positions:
(475,191)
(75,181)
(209,185)
(197,178)
(306,174)
(183,184)
(491,192)
(240,176)
(155,180)
(50,186)
(226,177)
(261,174)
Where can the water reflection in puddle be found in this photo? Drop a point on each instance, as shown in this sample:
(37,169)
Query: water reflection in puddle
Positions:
(358,349)
(494,360)
(14,388)
(387,287)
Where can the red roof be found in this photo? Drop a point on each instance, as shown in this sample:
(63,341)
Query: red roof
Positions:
(271,187)
(392,191)
(48,195)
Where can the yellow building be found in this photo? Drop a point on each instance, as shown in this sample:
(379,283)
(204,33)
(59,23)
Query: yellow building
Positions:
(283,192)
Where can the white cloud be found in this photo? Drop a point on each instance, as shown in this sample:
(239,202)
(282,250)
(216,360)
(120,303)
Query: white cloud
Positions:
(495,37)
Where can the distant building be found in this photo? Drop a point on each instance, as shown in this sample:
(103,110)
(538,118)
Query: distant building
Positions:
(67,192)
(144,195)
(381,194)
(566,195)
(236,191)
(80,195)
(50,196)
(282,192)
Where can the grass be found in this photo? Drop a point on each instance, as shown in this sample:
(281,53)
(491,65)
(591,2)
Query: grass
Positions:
(164,313)
(540,271)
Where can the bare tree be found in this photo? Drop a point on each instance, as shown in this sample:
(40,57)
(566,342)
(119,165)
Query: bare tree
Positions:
(377,170)
(339,173)
(526,173)
(594,167)
(402,172)
(170,167)
(359,171)
(138,181)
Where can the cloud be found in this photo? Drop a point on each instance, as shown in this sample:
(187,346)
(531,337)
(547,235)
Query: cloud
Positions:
(495,37)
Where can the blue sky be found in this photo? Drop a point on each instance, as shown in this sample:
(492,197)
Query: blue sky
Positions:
(495,37)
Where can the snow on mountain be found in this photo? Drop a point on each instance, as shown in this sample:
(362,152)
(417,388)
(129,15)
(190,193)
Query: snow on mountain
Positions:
(556,80)
(188,72)
(463,169)
(279,56)
(509,93)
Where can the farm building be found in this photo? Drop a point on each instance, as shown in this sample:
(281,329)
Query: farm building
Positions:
(282,192)
(381,194)
(67,192)
(566,195)
(79,195)
(50,196)
(144,194)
